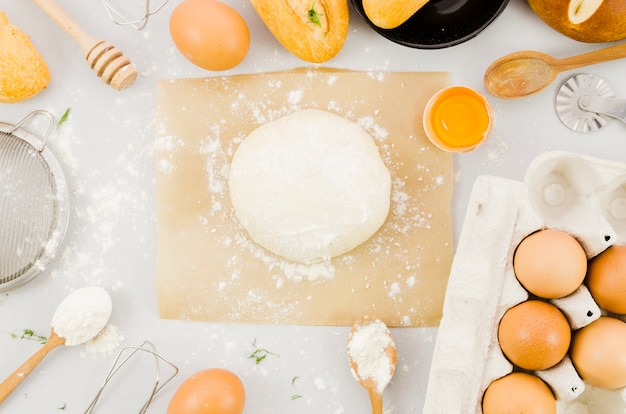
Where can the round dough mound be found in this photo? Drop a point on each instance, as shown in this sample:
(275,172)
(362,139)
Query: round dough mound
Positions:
(309,186)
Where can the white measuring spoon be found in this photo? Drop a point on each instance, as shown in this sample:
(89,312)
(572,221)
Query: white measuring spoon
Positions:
(372,356)
(77,319)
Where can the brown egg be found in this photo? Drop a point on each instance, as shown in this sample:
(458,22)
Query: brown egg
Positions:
(599,353)
(518,393)
(211,391)
(550,264)
(534,335)
(210,34)
(606,279)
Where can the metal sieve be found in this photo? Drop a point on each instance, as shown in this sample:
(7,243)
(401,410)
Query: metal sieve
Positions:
(34,203)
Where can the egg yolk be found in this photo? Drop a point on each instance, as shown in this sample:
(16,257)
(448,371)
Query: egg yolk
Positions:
(458,118)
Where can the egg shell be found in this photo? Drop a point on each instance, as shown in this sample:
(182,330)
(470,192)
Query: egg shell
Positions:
(519,392)
(210,391)
(482,285)
(534,335)
(550,263)
(210,34)
(599,354)
(606,279)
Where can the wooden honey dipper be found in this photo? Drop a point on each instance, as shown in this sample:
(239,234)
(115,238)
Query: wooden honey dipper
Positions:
(109,63)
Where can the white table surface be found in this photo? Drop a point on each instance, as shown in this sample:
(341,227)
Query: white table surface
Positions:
(106,150)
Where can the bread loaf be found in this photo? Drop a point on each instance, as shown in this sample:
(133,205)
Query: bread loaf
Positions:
(313,30)
(23,72)
(389,14)
(591,21)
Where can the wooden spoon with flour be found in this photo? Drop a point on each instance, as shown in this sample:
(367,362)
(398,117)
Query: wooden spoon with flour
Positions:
(372,357)
(77,319)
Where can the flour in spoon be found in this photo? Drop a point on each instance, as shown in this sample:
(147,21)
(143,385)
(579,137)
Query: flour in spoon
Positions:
(367,348)
(82,315)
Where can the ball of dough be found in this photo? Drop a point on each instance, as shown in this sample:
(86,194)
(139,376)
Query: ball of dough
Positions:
(309,186)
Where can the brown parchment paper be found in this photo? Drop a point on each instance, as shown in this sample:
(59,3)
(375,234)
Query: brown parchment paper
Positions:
(208,269)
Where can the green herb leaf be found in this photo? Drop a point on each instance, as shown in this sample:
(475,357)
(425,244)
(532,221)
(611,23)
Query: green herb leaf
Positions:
(64,117)
(314,17)
(30,335)
(295,397)
(63,407)
(260,354)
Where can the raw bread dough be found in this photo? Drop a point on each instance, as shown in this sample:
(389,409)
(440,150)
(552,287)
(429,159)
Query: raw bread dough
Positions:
(309,186)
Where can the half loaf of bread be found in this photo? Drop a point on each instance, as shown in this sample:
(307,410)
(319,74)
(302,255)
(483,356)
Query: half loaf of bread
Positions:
(313,30)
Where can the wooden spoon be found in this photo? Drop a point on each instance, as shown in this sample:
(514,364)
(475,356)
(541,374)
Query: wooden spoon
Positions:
(80,316)
(387,355)
(524,73)
(107,61)
(13,380)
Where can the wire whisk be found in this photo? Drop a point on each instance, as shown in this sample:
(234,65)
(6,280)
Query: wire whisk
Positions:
(119,18)
(122,357)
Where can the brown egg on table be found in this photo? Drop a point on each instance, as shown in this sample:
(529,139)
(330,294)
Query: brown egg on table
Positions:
(516,393)
(606,279)
(534,335)
(211,391)
(598,353)
(550,264)
(210,34)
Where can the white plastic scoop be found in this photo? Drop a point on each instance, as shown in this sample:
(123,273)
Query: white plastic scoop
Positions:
(77,319)
(372,357)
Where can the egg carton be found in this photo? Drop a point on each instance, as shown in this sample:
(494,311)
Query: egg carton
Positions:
(577,194)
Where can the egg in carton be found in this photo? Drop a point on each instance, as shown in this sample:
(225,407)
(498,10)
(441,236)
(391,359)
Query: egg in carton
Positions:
(580,195)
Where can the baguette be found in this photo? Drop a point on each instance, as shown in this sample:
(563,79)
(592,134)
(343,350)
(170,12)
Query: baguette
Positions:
(23,72)
(313,30)
(389,14)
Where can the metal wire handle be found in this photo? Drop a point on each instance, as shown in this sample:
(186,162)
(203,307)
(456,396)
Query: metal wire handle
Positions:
(138,24)
(44,138)
(119,362)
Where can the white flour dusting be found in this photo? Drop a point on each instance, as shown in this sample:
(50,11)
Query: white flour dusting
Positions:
(368,350)
(407,214)
(82,315)
(217,152)
(106,342)
(101,201)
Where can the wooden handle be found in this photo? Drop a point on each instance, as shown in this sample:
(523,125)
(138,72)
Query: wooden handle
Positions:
(591,58)
(13,380)
(376,399)
(56,13)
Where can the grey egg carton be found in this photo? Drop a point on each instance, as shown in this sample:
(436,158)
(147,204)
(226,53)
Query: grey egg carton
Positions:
(581,195)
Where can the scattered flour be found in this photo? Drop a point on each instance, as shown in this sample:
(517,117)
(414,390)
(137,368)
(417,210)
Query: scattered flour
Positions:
(368,350)
(407,215)
(106,342)
(82,315)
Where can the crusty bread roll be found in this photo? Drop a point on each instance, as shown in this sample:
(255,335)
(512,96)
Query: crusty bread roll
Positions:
(591,21)
(23,72)
(389,14)
(313,30)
